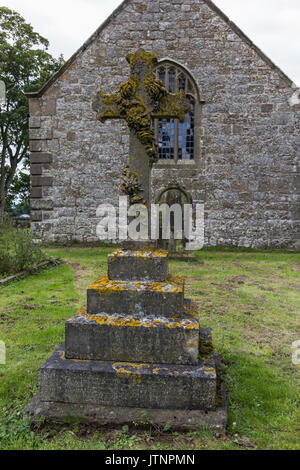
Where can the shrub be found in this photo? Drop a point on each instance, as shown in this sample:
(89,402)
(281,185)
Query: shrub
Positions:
(27,253)
(17,250)
(6,265)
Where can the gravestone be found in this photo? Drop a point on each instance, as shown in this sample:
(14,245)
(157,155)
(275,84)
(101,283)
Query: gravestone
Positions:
(136,351)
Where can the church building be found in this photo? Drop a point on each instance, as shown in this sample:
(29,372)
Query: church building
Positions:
(237,152)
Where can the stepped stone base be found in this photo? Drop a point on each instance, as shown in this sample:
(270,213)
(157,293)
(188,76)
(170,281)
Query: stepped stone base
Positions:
(131,339)
(88,412)
(137,347)
(136,298)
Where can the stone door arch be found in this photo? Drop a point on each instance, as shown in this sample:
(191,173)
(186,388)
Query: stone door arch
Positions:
(173,194)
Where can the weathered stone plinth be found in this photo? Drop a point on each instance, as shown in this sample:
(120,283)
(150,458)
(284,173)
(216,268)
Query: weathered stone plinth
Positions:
(137,347)
(138,265)
(134,339)
(137,298)
(129,384)
(214,420)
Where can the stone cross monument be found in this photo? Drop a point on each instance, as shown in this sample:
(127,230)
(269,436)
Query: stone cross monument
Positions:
(138,101)
(136,351)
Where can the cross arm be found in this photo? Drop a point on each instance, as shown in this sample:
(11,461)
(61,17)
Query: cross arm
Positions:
(106,107)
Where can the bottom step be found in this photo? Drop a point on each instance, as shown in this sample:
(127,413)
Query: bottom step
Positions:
(76,391)
(140,385)
(103,415)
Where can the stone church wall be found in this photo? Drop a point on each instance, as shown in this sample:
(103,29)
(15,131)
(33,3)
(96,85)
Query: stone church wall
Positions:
(247,172)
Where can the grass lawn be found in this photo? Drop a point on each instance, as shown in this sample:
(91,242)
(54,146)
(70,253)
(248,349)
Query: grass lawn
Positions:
(250,299)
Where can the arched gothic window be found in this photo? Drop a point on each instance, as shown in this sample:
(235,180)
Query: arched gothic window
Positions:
(176,140)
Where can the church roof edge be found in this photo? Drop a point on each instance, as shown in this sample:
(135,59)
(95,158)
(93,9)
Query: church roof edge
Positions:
(65,66)
(231,24)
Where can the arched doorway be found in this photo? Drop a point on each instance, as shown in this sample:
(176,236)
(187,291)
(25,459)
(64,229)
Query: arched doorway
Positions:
(173,194)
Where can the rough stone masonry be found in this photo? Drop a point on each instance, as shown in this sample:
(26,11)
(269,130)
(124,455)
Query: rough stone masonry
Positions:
(247,140)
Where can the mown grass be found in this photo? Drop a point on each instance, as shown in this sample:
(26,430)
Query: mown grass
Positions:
(250,299)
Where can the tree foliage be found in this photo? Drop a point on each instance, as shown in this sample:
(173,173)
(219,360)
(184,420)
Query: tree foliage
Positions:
(18,195)
(25,65)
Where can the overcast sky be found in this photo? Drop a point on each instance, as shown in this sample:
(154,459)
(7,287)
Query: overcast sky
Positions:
(273,25)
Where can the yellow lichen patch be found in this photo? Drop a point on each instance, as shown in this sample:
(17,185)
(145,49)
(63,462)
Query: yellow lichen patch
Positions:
(134,366)
(188,372)
(131,186)
(125,370)
(149,58)
(63,357)
(144,254)
(192,309)
(81,312)
(116,321)
(105,285)
(192,344)
(157,370)
(127,104)
(123,373)
(173,285)
(184,323)
(137,379)
(171,373)
(208,370)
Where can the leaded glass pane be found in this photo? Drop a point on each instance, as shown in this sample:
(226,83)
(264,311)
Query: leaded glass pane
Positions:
(186,136)
(162,74)
(181,82)
(172,81)
(166,138)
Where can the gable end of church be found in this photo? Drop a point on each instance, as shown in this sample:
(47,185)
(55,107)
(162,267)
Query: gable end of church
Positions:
(237,153)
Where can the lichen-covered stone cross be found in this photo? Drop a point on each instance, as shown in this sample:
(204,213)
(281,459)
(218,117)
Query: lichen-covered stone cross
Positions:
(138,101)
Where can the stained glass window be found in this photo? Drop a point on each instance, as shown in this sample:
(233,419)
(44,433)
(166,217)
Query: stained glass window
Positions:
(176,139)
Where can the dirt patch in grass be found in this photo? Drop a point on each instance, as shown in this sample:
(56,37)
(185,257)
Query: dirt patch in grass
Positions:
(81,273)
(238,280)
(7,319)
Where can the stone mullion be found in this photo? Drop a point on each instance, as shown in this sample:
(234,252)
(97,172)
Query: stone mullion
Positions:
(176,141)
(167,78)
(156,120)
(167,83)
(156,129)
(176,120)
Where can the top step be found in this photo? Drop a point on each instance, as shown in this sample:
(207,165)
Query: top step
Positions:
(144,265)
